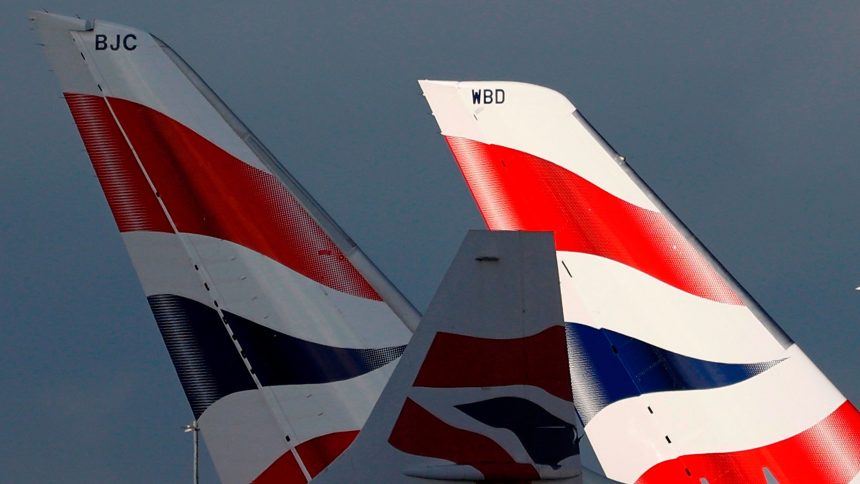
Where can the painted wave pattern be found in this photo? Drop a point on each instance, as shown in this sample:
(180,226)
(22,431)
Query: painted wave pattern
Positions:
(461,361)
(610,366)
(515,190)
(160,176)
(210,368)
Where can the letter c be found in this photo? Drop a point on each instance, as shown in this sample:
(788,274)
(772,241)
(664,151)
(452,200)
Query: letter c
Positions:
(126,44)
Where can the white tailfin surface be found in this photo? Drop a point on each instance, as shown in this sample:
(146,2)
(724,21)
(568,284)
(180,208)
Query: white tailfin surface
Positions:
(482,392)
(282,333)
(677,373)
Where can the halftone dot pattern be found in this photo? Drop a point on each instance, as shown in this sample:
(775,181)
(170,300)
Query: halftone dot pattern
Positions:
(477,165)
(377,358)
(206,361)
(515,190)
(519,191)
(207,191)
(129,195)
(826,453)
(590,395)
(606,366)
(281,359)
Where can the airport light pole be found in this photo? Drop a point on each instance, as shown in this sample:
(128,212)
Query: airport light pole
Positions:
(192,427)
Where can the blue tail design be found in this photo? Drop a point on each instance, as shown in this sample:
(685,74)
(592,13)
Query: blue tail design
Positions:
(210,366)
(547,438)
(607,366)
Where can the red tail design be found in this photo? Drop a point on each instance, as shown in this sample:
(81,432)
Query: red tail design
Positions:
(828,452)
(128,193)
(419,432)
(519,191)
(464,361)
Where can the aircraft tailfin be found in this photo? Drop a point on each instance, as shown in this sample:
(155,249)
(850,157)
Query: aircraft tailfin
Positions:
(482,392)
(677,373)
(281,331)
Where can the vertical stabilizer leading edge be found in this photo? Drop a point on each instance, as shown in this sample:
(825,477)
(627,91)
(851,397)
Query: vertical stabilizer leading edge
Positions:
(282,333)
(677,373)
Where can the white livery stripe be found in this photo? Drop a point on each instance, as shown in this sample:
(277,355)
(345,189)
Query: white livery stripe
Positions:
(63,55)
(257,288)
(602,293)
(442,403)
(147,76)
(777,404)
(326,408)
(163,266)
(244,439)
(532,119)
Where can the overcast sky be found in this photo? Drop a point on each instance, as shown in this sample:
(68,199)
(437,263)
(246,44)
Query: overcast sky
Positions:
(743,118)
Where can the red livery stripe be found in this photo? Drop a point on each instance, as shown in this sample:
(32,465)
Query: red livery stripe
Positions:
(828,452)
(285,470)
(455,361)
(129,195)
(316,454)
(319,452)
(519,191)
(419,432)
(206,191)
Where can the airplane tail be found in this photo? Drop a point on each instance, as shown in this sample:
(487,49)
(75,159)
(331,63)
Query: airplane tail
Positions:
(482,392)
(282,332)
(677,373)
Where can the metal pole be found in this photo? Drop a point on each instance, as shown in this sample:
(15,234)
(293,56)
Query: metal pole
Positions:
(196,453)
(194,429)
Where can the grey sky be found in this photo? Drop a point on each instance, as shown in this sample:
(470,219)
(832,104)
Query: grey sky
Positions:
(742,117)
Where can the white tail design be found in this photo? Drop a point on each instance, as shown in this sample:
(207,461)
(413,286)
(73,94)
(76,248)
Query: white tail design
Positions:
(677,372)
(482,391)
(282,332)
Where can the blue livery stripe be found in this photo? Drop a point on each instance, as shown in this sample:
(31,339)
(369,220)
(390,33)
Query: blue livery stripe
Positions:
(547,438)
(210,366)
(607,366)
(281,359)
